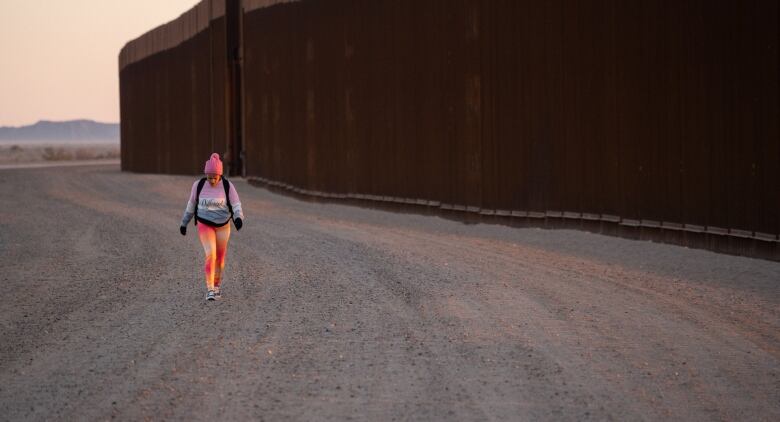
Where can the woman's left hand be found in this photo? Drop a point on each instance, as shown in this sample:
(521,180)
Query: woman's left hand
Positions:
(238,223)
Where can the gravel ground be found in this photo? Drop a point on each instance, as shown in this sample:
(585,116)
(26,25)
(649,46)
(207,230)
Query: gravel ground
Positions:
(333,312)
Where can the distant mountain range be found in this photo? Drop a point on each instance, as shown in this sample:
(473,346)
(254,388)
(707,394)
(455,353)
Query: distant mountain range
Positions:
(71,130)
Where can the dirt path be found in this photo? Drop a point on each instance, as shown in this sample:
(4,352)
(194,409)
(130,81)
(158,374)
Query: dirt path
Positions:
(334,312)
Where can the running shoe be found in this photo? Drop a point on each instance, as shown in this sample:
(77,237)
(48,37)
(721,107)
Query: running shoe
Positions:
(217,292)
(211,295)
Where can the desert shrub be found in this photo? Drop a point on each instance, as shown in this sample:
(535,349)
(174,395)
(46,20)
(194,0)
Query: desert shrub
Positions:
(86,154)
(112,154)
(56,154)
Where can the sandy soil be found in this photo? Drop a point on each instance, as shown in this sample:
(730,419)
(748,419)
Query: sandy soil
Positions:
(334,312)
(56,152)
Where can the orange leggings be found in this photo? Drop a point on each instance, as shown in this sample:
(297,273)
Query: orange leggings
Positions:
(214,241)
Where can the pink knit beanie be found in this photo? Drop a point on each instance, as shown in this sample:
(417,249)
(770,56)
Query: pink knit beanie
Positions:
(213,165)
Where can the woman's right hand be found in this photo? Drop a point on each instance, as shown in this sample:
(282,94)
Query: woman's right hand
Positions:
(183,230)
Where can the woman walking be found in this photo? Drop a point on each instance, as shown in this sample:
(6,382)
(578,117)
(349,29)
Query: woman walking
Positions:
(213,204)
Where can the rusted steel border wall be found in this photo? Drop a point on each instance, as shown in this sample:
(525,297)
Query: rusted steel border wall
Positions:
(173,94)
(650,119)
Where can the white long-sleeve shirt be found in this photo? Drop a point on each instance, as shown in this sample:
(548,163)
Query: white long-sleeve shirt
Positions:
(212,208)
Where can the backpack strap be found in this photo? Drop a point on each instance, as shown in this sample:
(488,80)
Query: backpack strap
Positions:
(197,197)
(226,184)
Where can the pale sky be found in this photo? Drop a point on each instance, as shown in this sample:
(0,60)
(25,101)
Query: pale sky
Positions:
(59,58)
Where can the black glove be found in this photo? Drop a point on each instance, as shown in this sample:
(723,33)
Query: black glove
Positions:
(238,223)
(183,230)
